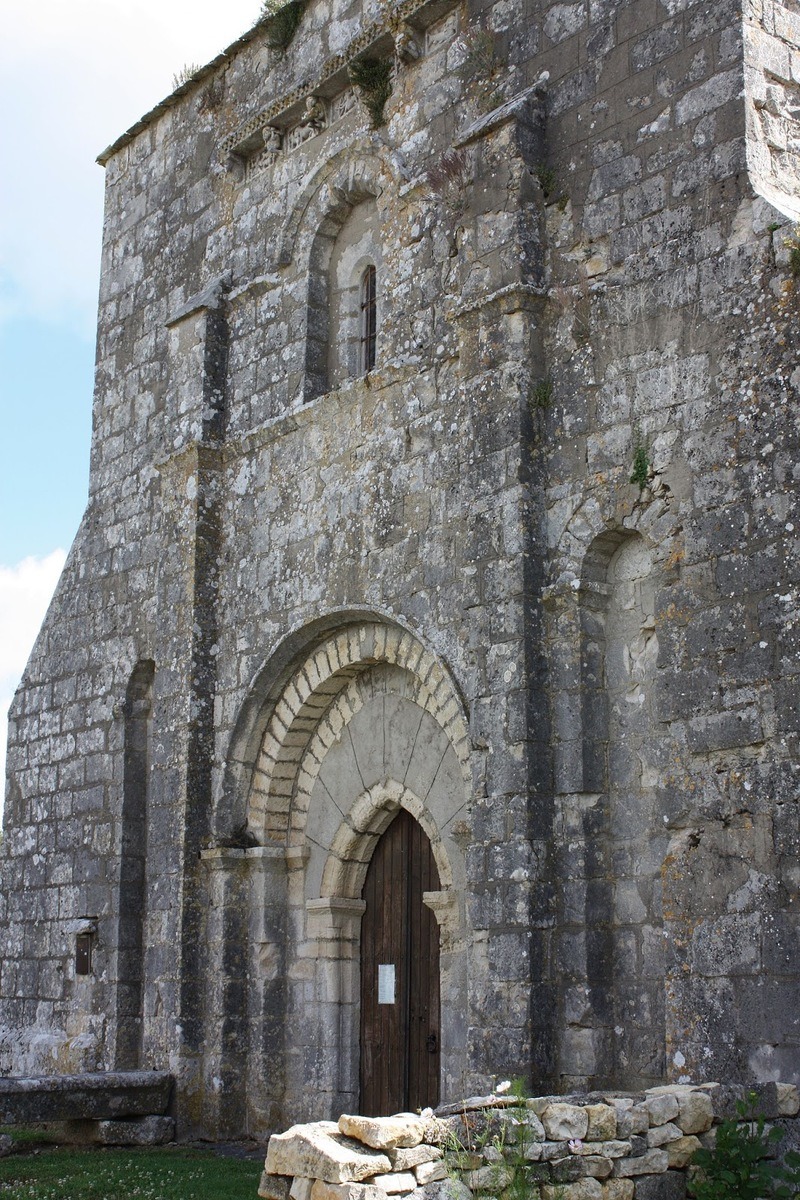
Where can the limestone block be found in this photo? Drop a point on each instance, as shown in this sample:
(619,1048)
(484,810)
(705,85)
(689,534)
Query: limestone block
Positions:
(553,1150)
(788,1099)
(463,1160)
(565,1122)
(530,1129)
(137,1131)
(659,1135)
(569,1169)
(344,1191)
(602,1122)
(274,1187)
(407,1158)
(679,1153)
(430,1172)
(491,1178)
(669,1186)
(394,1183)
(582,1189)
(597,1165)
(384,1133)
(696,1113)
(673,1089)
(661,1109)
(640,1120)
(318,1151)
(651,1163)
(301,1188)
(618,1189)
(614,1149)
(447,1189)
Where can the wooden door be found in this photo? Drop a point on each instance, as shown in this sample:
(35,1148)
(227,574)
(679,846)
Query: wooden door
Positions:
(399,975)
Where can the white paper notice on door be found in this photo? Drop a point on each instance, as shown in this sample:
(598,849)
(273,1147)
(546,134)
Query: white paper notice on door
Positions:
(385,983)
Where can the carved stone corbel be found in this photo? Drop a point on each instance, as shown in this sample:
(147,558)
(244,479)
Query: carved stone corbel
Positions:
(407,45)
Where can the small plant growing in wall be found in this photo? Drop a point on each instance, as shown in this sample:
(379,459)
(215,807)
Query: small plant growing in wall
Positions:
(495,1144)
(184,75)
(548,180)
(742,1166)
(373,78)
(480,67)
(284,20)
(793,245)
(542,392)
(449,179)
(640,475)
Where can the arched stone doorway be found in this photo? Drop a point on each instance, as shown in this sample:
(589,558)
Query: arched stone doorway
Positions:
(363,725)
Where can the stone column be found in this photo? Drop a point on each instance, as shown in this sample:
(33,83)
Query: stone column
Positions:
(334,943)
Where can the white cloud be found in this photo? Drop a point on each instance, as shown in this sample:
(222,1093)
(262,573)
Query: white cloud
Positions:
(72,78)
(25,592)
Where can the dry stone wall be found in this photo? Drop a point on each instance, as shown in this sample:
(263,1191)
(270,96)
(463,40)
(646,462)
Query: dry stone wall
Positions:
(597,1147)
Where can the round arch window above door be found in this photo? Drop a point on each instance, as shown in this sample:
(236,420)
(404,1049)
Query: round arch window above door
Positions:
(400,1007)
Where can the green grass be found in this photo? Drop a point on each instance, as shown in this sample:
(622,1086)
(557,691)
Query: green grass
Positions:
(167,1173)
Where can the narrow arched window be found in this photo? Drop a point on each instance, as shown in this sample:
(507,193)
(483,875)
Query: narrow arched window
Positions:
(369,319)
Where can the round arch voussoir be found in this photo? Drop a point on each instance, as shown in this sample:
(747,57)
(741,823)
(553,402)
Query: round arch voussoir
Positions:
(356,838)
(317,702)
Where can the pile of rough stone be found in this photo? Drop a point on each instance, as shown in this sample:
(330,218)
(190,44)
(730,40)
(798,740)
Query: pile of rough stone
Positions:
(596,1147)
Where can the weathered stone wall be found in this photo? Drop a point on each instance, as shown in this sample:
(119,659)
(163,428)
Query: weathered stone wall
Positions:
(598,1147)
(410,589)
(772,77)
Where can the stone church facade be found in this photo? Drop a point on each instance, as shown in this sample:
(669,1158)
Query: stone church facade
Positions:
(444,464)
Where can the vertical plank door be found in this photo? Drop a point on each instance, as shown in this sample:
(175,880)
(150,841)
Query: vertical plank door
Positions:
(399,1006)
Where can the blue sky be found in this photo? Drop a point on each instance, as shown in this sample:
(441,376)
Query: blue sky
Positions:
(73,76)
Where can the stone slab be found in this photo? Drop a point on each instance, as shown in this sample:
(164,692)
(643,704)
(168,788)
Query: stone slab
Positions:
(274,1187)
(430,1172)
(319,1151)
(659,1135)
(344,1191)
(384,1133)
(136,1131)
(104,1095)
(406,1158)
(651,1163)
(394,1183)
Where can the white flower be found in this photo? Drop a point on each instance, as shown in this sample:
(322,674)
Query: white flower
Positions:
(575,1146)
(426,1114)
(503,1087)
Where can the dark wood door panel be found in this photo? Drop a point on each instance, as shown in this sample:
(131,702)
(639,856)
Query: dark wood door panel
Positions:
(400,1039)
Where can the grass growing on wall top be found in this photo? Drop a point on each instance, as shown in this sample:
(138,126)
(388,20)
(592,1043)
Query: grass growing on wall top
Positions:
(284,20)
